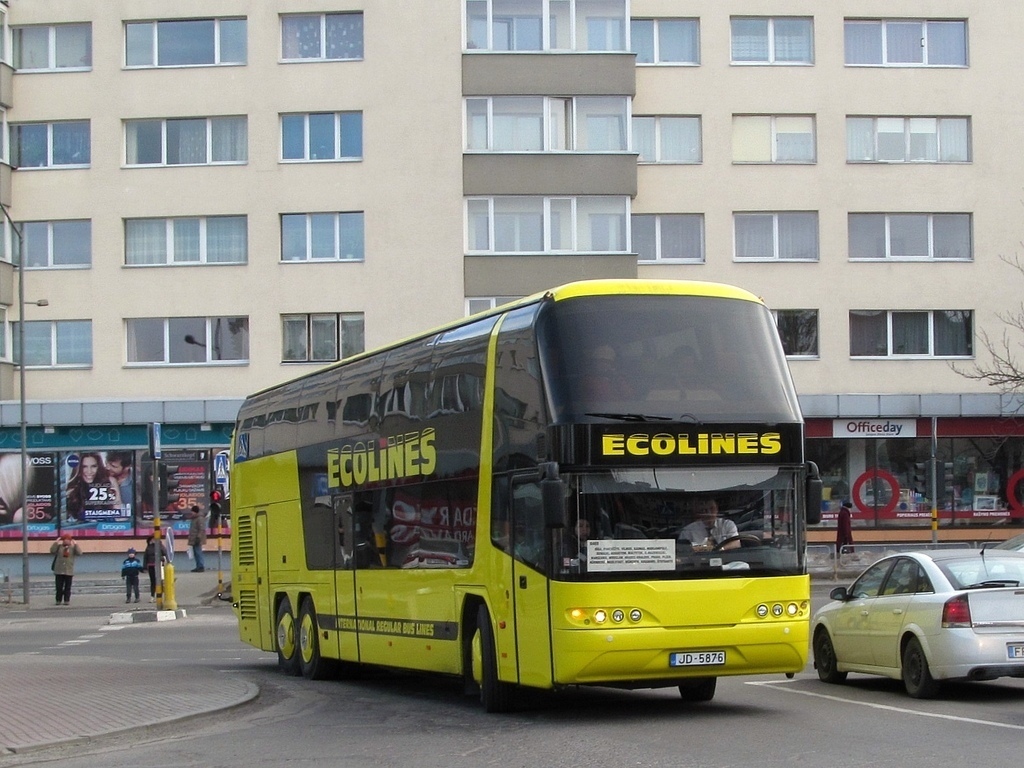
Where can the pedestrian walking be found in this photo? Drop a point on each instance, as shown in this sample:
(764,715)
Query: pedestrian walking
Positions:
(130,568)
(150,564)
(64,550)
(197,537)
(844,528)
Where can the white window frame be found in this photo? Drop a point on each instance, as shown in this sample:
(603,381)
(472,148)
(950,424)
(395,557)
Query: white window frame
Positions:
(51,65)
(610,12)
(889,332)
(659,141)
(155,43)
(754,121)
(210,325)
(18,245)
(930,223)
(656,24)
(560,118)
(340,336)
(169,241)
(776,257)
(551,210)
(163,121)
(477,304)
(816,355)
(772,60)
(883,24)
(337,256)
(659,219)
(908,122)
(323,37)
(54,328)
(339,137)
(49,145)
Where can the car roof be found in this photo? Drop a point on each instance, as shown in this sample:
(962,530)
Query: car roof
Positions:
(1015,543)
(943,555)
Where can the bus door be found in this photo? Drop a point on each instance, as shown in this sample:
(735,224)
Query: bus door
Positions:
(530,545)
(344,577)
(265,615)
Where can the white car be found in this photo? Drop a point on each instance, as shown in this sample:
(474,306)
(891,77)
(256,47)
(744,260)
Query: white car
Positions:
(924,617)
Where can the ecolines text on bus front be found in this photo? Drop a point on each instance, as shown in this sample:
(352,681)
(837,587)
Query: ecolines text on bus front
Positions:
(701,444)
(369,461)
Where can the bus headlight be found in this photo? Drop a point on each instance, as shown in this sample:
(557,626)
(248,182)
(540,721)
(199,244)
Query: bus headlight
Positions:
(762,610)
(792,609)
(600,616)
(618,615)
(777,609)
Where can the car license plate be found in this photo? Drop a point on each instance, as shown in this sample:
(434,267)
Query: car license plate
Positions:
(1015,650)
(696,658)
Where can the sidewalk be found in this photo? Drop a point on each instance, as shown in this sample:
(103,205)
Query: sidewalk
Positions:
(47,701)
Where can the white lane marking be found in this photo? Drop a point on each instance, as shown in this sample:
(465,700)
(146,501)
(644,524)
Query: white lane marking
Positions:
(89,637)
(74,642)
(887,707)
(111,628)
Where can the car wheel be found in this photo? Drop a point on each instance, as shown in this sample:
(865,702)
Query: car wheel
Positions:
(313,665)
(495,695)
(917,678)
(698,690)
(825,658)
(287,648)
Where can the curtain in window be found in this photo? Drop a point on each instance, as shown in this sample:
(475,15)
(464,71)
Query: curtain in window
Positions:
(953,140)
(604,133)
(910,333)
(750,40)
(947,43)
(323,332)
(300,37)
(138,44)
(230,139)
(866,233)
(230,337)
(794,139)
(863,42)
(681,237)
(903,42)
(954,332)
(293,237)
(352,334)
(641,37)
(351,134)
(323,235)
(145,241)
(322,135)
(643,139)
(71,143)
(794,40)
(924,140)
(755,236)
(345,36)
(38,342)
(31,47)
(677,41)
(868,333)
(186,240)
(28,145)
(476,124)
(478,224)
(680,139)
(560,224)
(226,240)
(860,139)
(645,244)
(72,243)
(186,142)
(36,244)
(476,24)
(351,236)
(908,235)
(798,236)
(294,339)
(951,236)
(74,342)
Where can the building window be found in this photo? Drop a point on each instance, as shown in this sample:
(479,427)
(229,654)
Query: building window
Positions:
(3,334)
(540,124)
(667,139)
(189,240)
(50,145)
(188,340)
(669,237)
(547,224)
(767,40)
(55,343)
(322,36)
(321,338)
(45,48)
(906,42)
(798,330)
(926,333)
(185,43)
(910,236)
(545,25)
(773,139)
(55,244)
(665,41)
(187,141)
(908,139)
(322,236)
(475,304)
(790,236)
(322,136)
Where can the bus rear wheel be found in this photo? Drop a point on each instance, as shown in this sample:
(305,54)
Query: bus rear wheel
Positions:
(698,689)
(495,696)
(313,665)
(287,648)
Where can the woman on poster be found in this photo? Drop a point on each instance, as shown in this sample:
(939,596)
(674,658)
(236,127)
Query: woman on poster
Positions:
(90,490)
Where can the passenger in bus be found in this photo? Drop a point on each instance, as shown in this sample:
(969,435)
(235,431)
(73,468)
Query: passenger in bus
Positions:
(574,544)
(709,530)
(603,380)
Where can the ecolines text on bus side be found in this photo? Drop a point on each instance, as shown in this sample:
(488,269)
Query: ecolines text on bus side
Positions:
(411,454)
(700,444)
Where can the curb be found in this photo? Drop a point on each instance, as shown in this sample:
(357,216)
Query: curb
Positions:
(132,617)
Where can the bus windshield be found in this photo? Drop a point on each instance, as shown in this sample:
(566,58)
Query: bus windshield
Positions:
(678,523)
(694,358)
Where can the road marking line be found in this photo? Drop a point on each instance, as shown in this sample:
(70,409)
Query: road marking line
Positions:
(887,707)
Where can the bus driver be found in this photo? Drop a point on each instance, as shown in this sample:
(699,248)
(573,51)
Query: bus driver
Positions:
(709,530)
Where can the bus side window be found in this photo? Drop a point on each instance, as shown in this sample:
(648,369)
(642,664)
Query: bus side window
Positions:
(500,533)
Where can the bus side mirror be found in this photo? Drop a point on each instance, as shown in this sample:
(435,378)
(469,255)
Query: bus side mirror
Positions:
(552,493)
(815,491)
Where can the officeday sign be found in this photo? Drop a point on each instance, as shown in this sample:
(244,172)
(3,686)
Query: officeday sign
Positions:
(848,428)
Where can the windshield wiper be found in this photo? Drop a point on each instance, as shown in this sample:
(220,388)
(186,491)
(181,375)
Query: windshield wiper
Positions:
(994,583)
(630,416)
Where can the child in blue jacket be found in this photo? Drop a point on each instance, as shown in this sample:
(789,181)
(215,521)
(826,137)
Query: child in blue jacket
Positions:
(130,570)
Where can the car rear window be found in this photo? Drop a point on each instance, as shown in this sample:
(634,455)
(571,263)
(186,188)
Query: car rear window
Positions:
(992,568)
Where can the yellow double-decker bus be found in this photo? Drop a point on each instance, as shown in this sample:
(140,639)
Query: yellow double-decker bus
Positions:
(603,484)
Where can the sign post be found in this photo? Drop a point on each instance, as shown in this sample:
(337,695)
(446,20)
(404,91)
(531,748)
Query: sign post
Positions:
(154,454)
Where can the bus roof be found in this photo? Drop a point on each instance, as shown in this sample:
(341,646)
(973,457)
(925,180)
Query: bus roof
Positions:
(605,287)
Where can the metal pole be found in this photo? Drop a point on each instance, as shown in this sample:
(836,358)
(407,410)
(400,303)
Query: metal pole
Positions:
(935,481)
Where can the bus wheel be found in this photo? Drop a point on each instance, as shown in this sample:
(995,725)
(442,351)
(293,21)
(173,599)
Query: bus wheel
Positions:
(313,665)
(287,650)
(495,695)
(698,689)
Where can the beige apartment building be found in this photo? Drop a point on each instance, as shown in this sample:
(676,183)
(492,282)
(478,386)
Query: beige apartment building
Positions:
(212,196)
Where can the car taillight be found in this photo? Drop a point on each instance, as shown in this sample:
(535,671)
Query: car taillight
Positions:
(956,612)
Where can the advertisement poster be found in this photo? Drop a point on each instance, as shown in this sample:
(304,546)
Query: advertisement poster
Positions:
(41,506)
(184,482)
(91,502)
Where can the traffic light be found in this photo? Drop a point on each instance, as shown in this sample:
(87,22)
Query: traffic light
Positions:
(216,497)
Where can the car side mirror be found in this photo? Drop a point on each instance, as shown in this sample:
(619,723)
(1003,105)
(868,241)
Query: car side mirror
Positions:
(839,593)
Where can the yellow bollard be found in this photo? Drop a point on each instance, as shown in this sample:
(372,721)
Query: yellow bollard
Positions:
(170,602)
